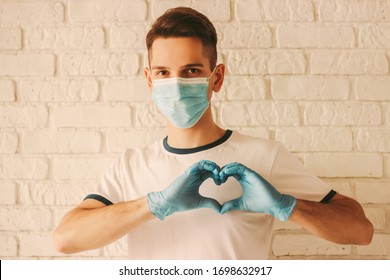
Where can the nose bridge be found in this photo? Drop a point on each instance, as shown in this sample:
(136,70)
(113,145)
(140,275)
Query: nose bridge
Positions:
(176,73)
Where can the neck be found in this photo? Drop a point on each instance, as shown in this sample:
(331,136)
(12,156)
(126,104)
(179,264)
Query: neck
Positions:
(204,132)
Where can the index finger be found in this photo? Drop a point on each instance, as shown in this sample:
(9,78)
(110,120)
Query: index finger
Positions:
(209,166)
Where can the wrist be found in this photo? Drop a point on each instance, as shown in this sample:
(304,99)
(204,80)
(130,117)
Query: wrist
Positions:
(285,208)
(158,206)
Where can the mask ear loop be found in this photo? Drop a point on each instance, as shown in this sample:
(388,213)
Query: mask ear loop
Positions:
(212,72)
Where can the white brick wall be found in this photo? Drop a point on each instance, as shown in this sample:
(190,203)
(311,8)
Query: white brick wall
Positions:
(312,74)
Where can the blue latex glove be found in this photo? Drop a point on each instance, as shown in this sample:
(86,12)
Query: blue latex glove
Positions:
(258,195)
(183,193)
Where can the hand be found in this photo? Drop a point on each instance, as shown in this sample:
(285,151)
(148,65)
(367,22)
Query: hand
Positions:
(183,193)
(258,195)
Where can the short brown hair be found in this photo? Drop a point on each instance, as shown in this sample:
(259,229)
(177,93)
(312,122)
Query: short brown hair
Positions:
(185,22)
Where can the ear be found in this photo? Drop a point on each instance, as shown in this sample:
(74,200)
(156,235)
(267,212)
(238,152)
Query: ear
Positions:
(219,77)
(148,77)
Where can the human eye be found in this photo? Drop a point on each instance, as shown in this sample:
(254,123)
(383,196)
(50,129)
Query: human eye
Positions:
(161,73)
(192,72)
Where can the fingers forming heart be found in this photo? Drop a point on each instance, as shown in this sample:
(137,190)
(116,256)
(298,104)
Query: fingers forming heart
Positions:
(220,177)
(229,170)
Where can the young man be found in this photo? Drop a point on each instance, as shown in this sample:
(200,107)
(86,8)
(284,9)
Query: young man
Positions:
(203,192)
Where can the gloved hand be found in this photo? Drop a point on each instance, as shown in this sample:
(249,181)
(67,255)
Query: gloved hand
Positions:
(183,193)
(258,194)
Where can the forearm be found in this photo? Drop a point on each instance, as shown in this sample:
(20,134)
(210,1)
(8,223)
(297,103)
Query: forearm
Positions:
(84,229)
(341,221)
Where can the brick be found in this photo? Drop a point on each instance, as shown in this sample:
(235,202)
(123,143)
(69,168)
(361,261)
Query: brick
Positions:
(315,36)
(8,142)
(218,10)
(23,116)
(8,193)
(374,36)
(286,62)
(135,89)
(9,246)
(247,62)
(253,114)
(377,216)
(160,6)
(315,139)
(380,246)
(55,193)
(256,132)
(99,64)
(92,116)
(34,12)
(61,142)
(80,168)
(387,166)
(147,115)
(348,62)
(37,244)
(373,192)
(351,10)
(345,165)
(306,245)
(107,11)
(7,91)
(22,168)
(274,10)
(10,38)
(373,140)
(88,37)
(128,36)
(27,65)
(342,114)
(244,36)
(244,88)
(309,88)
(41,244)
(249,10)
(372,88)
(387,115)
(56,90)
(266,62)
(118,141)
(23,218)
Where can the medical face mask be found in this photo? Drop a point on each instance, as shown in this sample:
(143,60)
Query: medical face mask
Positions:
(182,100)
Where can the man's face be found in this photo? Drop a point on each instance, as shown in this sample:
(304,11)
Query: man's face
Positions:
(181,57)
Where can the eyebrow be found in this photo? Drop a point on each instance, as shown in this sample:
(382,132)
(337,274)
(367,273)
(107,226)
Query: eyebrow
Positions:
(193,65)
(185,66)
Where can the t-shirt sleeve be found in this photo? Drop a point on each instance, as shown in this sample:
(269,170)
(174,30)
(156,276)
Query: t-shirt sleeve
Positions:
(289,176)
(109,190)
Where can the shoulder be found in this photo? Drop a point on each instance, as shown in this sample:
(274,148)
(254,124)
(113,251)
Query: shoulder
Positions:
(255,143)
(137,153)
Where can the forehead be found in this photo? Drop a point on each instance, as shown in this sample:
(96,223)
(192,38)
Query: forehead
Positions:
(177,51)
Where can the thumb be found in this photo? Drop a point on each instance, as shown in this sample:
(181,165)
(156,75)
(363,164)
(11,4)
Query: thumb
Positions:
(210,203)
(231,205)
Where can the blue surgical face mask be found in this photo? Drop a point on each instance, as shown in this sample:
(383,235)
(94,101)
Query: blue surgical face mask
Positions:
(182,100)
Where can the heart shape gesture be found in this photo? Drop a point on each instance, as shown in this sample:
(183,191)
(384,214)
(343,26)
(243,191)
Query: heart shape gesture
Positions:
(183,193)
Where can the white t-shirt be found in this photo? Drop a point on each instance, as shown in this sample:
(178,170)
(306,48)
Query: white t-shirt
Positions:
(203,233)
